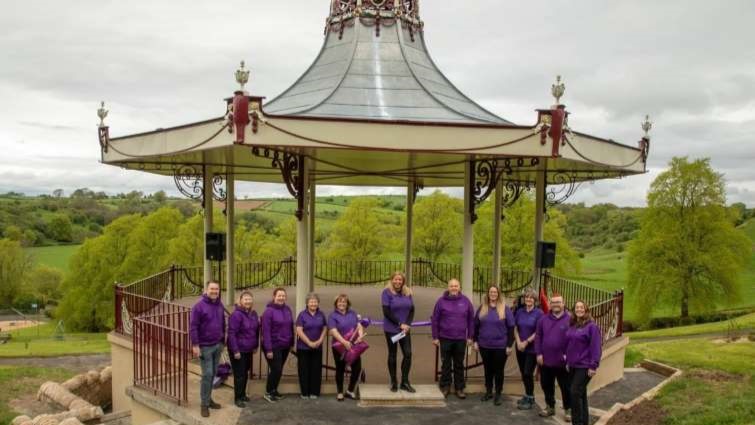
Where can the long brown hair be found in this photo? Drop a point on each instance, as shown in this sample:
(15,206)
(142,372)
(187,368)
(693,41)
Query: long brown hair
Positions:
(499,303)
(405,290)
(580,321)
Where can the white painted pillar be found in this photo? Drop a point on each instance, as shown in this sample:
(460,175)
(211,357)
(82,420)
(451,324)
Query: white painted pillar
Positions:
(497,232)
(467,262)
(410,189)
(207,187)
(230,236)
(539,220)
(311,230)
(302,245)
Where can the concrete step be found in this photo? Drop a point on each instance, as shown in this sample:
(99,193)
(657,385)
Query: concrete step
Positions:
(377,395)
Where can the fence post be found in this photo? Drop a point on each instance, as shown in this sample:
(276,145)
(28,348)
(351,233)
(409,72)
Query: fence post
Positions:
(620,306)
(172,282)
(118,299)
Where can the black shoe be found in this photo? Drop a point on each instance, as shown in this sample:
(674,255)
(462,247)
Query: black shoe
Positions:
(205,412)
(394,387)
(278,396)
(245,398)
(497,400)
(214,405)
(240,404)
(270,398)
(487,396)
(407,387)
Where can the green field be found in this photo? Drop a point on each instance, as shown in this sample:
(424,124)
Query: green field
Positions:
(744,323)
(43,343)
(53,256)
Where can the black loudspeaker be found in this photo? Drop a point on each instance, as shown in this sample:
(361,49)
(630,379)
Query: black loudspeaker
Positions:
(546,255)
(215,246)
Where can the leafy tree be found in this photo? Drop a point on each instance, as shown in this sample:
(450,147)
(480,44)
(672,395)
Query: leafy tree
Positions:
(187,247)
(438,226)
(688,252)
(60,228)
(44,283)
(14,266)
(148,244)
(58,193)
(358,234)
(13,233)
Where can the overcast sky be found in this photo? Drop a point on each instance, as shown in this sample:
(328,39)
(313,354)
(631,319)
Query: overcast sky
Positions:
(690,64)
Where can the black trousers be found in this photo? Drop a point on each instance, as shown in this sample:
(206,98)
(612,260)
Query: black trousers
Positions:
(494,363)
(452,353)
(310,371)
(241,368)
(580,412)
(527,363)
(356,370)
(548,378)
(276,369)
(406,352)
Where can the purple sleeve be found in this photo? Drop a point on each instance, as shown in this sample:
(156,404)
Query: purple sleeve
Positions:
(385,298)
(476,333)
(332,324)
(299,321)
(434,320)
(257,331)
(233,328)
(470,318)
(267,337)
(293,327)
(196,316)
(595,346)
(539,337)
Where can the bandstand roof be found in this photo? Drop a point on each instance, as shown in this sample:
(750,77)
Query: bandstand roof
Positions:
(374,110)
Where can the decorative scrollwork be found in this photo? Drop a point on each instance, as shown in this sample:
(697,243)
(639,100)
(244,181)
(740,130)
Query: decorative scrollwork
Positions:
(512,191)
(563,187)
(128,325)
(189,182)
(290,166)
(417,188)
(483,180)
(218,192)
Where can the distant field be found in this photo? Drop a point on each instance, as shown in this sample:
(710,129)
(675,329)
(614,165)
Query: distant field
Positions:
(53,256)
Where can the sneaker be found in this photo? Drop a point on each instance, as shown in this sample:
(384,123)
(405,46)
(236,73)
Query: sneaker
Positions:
(498,401)
(240,404)
(351,395)
(486,397)
(304,397)
(270,398)
(405,386)
(526,404)
(445,391)
(521,401)
(246,399)
(214,405)
(567,415)
(278,396)
(205,412)
(548,411)
(460,394)
(314,397)
(339,397)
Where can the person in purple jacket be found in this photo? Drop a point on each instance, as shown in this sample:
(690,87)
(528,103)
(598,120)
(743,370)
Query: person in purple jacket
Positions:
(277,341)
(311,326)
(452,325)
(526,319)
(493,338)
(207,333)
(243,341)
(342,321)
(583,351)
(398,313)
(550,348)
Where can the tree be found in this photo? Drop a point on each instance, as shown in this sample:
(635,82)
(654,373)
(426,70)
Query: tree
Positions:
(187,247)
(13,233)
(44,283)
(60,228)
(14,266)
(58,193)
(688,252)
(437,226)
(148,244)
(358,234)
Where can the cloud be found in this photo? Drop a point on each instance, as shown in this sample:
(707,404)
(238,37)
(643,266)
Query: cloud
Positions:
(687,63)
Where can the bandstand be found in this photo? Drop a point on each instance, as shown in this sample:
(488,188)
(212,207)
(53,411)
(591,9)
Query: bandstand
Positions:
(373,109)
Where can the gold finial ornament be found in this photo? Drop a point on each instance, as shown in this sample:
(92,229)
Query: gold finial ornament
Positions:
(102,113)
(647,125)
(242,76)
(558,89)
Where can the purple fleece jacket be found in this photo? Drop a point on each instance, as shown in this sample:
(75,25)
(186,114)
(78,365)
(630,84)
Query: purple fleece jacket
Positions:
(243,331)
(207,324)
(550,339)
(277,327)
(453,317)
(584,346)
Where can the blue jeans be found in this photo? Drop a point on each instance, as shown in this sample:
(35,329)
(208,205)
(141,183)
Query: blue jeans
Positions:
(209,356)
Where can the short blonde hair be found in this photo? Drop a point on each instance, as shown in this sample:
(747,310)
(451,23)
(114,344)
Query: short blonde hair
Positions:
(340,297)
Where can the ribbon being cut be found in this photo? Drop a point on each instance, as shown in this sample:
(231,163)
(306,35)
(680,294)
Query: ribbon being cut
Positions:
(360,347)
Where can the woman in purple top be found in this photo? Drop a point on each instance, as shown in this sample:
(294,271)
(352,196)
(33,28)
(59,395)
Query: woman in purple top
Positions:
(526,319)
(243,340)
(583,351)
(493,338)
(398,313)
(310,331)
(452,327)
(277,340)
(342,321)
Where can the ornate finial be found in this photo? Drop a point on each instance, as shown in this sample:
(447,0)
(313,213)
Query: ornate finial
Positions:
(558,89)
(242,76)
(647,125)
(102,113)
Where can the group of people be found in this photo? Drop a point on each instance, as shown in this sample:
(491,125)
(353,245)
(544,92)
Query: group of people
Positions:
(565,346)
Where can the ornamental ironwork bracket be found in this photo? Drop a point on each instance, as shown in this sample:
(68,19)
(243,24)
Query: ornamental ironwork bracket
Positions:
(567,186)
(485,176)
(291,167)
(189,181)
(417,187)
(512,191)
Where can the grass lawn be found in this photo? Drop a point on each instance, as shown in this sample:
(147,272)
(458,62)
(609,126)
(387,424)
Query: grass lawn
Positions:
(25,342)
(717,385)
(746,322)
(53,256)
(18,381)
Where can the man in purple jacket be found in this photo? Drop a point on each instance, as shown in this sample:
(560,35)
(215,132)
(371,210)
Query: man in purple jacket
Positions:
(452,327)
(550,348)
(207,332)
